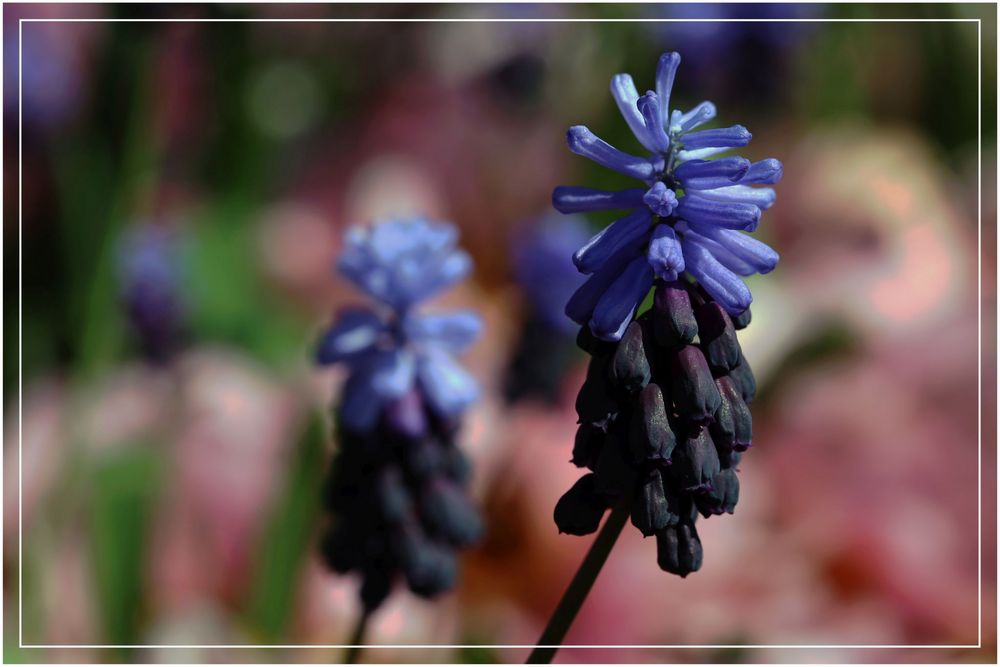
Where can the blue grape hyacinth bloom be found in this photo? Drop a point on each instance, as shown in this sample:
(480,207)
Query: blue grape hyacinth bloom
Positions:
(389,347)
(396,492)
(691,216)
(664,410)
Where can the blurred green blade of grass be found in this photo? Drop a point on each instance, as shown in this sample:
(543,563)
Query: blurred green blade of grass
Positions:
(226,294)
(125,489)
(287,537)
(102,186)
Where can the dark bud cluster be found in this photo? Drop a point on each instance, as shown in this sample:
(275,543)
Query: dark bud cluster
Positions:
(397,503)
(664,419)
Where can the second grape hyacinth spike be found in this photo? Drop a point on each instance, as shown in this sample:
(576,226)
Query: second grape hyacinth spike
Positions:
(396,493)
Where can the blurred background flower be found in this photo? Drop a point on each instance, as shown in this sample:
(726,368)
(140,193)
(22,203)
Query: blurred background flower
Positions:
(542,261)
(178,501)
(396,491)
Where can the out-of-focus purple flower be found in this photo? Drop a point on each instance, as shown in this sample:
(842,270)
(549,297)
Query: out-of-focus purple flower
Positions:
(52,71)
(689,216)
(544,268)
(396,489)
(150,270)
(390,347)
(740,60)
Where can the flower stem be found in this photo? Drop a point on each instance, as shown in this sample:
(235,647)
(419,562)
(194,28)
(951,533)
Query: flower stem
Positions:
(578,589)
(357,638)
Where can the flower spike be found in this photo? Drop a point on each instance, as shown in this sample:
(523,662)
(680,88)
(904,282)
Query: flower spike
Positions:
(664,416)
(396,487)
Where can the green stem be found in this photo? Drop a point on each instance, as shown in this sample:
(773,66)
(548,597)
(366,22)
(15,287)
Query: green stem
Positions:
(578,589)
(357,639)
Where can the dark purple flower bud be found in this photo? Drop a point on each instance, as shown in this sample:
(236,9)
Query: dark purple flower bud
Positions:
(629,368)
(678,549)
(742,321)
(723,495)
(723,432)
(673,319)
(696,462)
(650,435)
(448,513)
(728,484)
(743,377)
(456,465)
(580,509)
(594,403)
(693,390)
(651,510)
(433,570)
(405,544)
(614,474)
(742,420)
(718,337)
(587,446)
(423,458)
(393,499)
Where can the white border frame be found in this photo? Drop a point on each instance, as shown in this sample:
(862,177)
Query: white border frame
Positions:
(979,424)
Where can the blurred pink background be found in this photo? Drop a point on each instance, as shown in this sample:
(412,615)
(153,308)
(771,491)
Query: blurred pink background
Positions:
(859,511)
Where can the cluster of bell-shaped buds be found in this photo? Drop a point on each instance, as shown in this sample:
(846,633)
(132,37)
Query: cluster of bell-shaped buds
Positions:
(663,422)
(397,498)
(396,493)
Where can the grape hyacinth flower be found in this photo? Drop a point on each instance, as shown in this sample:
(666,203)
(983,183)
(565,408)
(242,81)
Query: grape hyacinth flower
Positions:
(149,273)
(396,490)
(547,277)
(663,411)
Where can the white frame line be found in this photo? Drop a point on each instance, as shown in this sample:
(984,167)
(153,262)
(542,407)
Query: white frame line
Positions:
(447,19)
(20,340)
(20,542)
